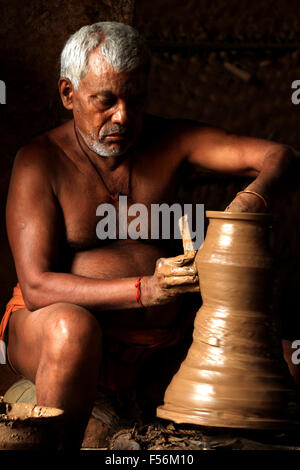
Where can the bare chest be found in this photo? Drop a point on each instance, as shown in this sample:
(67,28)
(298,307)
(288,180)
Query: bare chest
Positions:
(92,217)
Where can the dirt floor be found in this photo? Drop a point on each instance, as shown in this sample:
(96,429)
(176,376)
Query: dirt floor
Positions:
(157,434)
(169,436)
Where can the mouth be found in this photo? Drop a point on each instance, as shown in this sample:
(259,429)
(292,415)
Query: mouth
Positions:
(114,137)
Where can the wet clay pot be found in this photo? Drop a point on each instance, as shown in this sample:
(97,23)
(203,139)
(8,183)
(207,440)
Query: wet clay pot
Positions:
(24,426)
(231,376)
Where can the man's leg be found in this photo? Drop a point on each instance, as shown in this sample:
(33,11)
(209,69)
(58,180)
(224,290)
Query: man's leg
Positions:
(59,348)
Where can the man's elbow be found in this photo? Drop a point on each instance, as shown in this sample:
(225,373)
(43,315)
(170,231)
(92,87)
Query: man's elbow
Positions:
(32,295)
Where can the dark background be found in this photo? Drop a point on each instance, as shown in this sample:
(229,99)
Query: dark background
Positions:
(195,44)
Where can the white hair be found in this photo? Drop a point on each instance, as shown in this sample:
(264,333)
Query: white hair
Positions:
(121,45)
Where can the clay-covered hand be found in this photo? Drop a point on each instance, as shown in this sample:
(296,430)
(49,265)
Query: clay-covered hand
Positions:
(172,277)
(175,276)
(246,202)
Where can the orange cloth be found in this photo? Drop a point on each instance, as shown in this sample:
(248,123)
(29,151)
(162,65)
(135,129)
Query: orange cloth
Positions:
(124,351)
(15,303)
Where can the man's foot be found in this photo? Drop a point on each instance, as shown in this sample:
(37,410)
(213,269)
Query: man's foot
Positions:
(103,422)
(123,441)
(97,434)
(112,411)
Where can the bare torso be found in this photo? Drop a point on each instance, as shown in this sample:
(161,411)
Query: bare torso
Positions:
(149,173)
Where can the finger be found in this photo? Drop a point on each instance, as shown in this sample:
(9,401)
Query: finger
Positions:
(191,288)
(181,281)
(185,258)
(188,246)
(235,207)
(182,289)
(179,260)
(171,270)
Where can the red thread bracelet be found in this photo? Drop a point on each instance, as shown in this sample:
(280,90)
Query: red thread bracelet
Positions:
(138,292)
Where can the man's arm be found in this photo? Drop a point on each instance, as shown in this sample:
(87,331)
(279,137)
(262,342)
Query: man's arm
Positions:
(35,227)
(220,151)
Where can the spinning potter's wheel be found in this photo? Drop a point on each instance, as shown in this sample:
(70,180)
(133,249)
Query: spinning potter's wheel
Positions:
(231,376)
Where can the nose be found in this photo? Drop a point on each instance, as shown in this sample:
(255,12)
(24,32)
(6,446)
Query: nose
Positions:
(120,114)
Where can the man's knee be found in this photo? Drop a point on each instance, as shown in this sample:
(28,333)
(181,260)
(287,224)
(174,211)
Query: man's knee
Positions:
(71,328)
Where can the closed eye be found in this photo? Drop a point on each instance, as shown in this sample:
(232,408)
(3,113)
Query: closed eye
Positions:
(105,101)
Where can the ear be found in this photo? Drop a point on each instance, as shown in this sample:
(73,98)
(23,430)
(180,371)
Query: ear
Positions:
(66,91)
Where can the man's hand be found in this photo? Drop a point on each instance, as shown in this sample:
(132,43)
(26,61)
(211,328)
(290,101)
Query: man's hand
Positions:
(246,202)
(173,276)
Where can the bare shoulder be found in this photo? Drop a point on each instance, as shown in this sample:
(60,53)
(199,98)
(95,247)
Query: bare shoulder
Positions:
(177,139)
(42,153)
(185,129)
(34,153)
(178,133)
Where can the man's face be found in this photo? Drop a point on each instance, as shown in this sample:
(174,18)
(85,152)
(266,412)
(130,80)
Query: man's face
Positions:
(108,107)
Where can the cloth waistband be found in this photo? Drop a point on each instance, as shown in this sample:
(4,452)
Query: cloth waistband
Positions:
(15,303)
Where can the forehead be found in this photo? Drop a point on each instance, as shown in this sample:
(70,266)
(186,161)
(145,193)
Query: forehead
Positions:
(102,76)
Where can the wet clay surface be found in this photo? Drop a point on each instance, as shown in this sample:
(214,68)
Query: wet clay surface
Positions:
(27,427)
(231,376)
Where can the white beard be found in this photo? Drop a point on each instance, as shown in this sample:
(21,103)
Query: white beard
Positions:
(101,149)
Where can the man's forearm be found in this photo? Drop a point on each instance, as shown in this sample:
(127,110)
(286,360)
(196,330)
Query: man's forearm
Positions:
(96,294)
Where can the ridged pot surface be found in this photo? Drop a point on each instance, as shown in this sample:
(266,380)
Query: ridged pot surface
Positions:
(230,377)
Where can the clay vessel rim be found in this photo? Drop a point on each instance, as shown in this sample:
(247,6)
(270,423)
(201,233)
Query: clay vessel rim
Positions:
(24,411)
(239,215)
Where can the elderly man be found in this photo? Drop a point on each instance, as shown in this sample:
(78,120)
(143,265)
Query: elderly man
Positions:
(79,296)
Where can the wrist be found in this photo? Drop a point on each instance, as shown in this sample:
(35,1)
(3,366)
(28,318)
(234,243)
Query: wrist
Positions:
(262,199)
(276,166)
(147,291)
